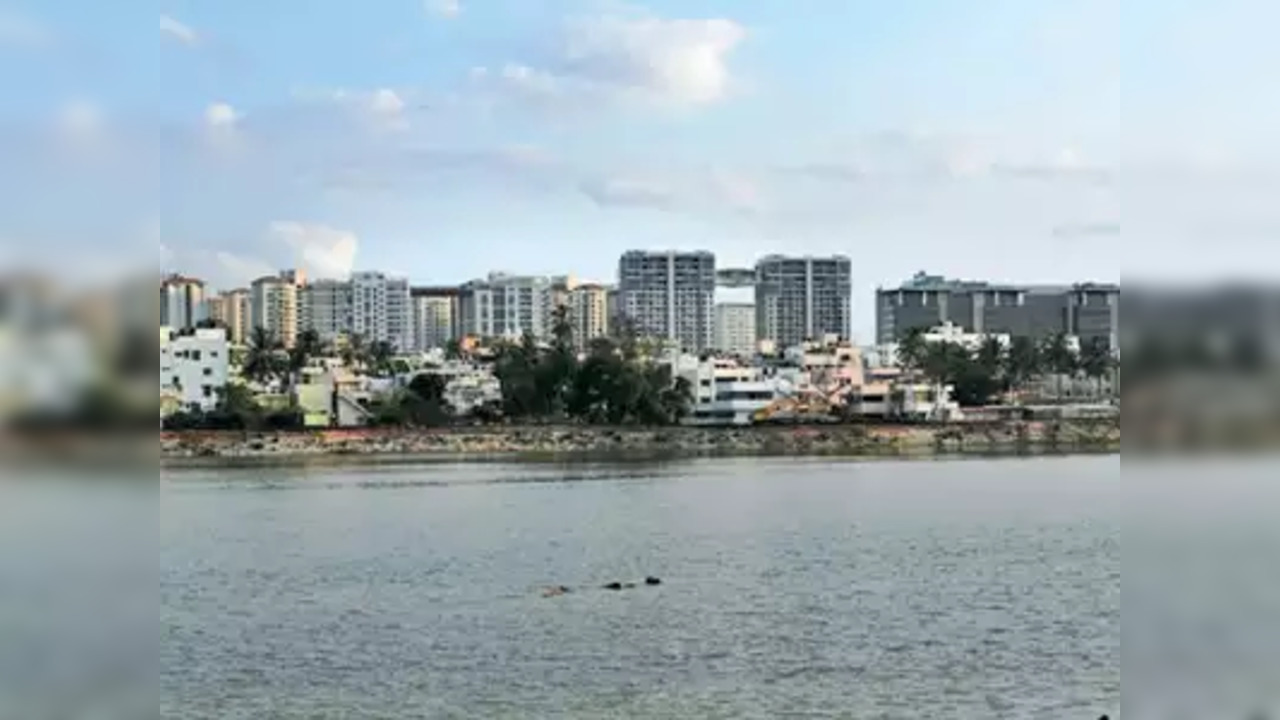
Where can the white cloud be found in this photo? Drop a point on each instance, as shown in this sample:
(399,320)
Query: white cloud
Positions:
(230,270)
(322,251)
(22,32)
(221,115)
(179,31)
(79,119)
(443,8)
(386,103)
(629,192)
(680,62)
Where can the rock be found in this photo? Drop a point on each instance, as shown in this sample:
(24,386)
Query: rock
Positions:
(651,580)
(613,586)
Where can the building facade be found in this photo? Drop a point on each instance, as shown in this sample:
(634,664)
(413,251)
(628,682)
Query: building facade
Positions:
(232,310)
(273,306)
(803,298)
(193,367)
(588,313)
(182,302)
(326,308)
(736,329)
(1085,310)
(433,317)
(670,296)
(380,309)
(505,306)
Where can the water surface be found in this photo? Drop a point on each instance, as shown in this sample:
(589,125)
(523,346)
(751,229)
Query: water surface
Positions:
(792,588)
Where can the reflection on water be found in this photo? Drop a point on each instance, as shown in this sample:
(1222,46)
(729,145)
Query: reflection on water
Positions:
(968,589)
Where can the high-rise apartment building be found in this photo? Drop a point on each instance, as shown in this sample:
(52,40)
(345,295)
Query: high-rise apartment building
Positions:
(802,298)
(326,307)
(588,305)
(182,302)
(1086,310)
(380,309)
(736,329)
(506,306)
(273,306)
(434,317)
(232,310)
(669,295)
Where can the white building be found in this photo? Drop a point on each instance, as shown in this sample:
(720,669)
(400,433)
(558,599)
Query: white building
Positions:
(182,303)
(735,329)
(432,322)
(380,309)
(506,306)
(273,306)
(589,313)
(670,295)
(326,308)
(193,366)
(726,392)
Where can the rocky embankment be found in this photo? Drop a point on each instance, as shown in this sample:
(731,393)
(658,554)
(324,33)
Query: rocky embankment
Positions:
(553,442)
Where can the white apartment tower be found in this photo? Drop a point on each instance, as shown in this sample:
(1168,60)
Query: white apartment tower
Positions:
(273,306)
(670,295)
(736,329)
(380,309)
(506,306)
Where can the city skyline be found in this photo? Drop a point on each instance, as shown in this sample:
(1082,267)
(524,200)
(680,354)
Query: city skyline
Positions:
(233,142)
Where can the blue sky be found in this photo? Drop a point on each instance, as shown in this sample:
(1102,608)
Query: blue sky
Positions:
(1047,140)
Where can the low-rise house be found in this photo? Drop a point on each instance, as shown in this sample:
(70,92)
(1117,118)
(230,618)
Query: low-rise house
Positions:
(726,392)
(330,395)
(193,368)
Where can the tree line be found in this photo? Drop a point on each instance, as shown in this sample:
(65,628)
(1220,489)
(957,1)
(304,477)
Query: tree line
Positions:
(612,384)
(982,375)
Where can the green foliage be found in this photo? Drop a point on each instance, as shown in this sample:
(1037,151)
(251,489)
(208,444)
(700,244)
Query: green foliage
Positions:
(236,410)
(265,359)
(421,404)
(611,385)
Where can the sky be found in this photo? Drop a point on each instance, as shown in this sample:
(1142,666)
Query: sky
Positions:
(1055,140)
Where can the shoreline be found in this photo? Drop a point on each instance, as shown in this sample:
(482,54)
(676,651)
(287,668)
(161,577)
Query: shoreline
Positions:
(571,444)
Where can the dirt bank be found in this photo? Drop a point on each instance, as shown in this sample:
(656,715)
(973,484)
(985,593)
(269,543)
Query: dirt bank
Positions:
(531,442)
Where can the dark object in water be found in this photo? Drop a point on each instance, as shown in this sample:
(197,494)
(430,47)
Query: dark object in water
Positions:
(1105,717)
(613,586)
(651,580)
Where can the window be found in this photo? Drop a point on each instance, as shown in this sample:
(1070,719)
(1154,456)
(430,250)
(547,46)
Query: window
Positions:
(207,390)
(208,372)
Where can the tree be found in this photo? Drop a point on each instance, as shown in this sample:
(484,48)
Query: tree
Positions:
(1059,358)
(355,353)
(1022,361)
(1096,360)
(453,350)
(912,349)
(306,346)
(263,361)
(381,354)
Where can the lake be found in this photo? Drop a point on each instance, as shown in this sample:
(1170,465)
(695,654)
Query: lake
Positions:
(791,588)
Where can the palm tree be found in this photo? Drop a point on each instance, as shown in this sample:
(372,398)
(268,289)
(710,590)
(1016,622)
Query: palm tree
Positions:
(1059,358)
(912,349)
(1022,361)
(381,353)
(354,353)
(1096,360)
(307,346)
(262,361)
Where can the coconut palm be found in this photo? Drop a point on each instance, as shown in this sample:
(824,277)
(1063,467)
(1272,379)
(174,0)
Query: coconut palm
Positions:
(263,361)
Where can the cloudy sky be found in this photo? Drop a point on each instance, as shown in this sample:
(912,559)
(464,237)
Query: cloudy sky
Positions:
(1048,140)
